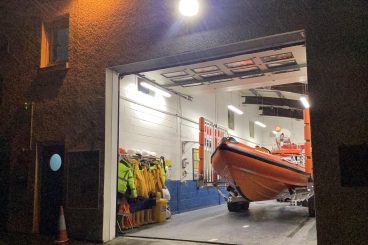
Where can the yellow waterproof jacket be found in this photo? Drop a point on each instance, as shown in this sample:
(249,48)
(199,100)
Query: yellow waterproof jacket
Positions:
(125,178)
(157,174)
(139,180)
(150,182)
(163,170)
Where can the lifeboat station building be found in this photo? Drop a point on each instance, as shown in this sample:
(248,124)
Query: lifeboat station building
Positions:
(139,120)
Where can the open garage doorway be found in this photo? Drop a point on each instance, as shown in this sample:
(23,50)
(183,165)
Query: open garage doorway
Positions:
(248,93)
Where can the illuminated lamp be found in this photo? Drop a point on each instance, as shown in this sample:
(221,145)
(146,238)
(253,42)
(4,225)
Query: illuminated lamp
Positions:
(188,7)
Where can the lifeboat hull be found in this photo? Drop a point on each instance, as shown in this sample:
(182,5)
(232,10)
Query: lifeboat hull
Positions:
(257,175)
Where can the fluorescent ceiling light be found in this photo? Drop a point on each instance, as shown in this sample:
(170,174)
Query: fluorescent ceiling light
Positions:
(305,102)
(155,89)
(285,71)
(245,69)
(276,57)
(191,84)
(174,74)
(260,124)
(183,79)
(234,109)
(281,64)
(253,75)
(206,69)
(221,80)
(213,74)
(188,7)
(240,63)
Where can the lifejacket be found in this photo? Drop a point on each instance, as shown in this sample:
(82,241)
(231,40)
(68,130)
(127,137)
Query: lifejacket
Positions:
(126,179)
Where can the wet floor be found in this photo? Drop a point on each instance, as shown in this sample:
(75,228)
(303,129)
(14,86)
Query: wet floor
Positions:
(32,239)
(266,222)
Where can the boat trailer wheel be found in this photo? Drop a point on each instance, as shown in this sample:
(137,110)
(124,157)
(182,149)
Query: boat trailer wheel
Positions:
(237,206)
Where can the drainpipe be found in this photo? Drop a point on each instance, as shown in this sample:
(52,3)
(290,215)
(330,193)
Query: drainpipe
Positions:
(31,127)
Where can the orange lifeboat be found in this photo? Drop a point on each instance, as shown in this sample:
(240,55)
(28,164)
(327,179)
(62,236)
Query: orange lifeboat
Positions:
(257,173)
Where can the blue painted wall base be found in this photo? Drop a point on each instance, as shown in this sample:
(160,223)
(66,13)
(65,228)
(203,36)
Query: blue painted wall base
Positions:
(185,196)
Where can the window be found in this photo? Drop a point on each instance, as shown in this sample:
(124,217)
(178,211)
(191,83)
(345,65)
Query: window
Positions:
(230,119)
(55,162)
(54,42)
(251,129)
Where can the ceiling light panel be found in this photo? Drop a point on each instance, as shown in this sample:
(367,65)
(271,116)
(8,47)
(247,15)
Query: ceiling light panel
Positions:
(253,75)
(191,85)
(247,62)
(282,64)
(175,74)
(182,79)
(277,57)
(245,69)
(206,69)
(221,80)
(212,74)
(285,71)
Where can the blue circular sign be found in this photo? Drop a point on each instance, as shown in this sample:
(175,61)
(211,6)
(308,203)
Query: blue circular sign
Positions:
(55,162)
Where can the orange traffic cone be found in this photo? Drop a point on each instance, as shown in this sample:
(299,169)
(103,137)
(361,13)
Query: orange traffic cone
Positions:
(127,218)
(63,235)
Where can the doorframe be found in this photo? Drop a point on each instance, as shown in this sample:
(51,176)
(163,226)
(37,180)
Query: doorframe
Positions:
(113,75)
(111,159)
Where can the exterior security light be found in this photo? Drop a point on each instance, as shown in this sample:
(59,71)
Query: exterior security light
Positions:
(260,124)
(305,102)
(155,89)
(188,7)
(234,109)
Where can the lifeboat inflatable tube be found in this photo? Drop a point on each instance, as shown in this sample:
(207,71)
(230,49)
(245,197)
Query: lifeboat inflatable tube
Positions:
(258,174)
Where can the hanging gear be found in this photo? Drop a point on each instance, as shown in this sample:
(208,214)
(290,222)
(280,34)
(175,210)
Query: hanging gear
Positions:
(139,179)
(126,179)
(158,178)
(127,219)
(163,169)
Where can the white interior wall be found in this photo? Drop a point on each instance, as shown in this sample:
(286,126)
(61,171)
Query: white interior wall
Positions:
(161,124)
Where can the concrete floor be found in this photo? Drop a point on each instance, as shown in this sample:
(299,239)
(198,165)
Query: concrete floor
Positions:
(267,222)
(31,239)
(149,241)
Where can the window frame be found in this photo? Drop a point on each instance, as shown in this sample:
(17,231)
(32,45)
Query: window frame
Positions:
(47,41)
(230,119)
(251,129)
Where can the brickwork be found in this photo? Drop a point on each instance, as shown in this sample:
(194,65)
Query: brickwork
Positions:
(68,105)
